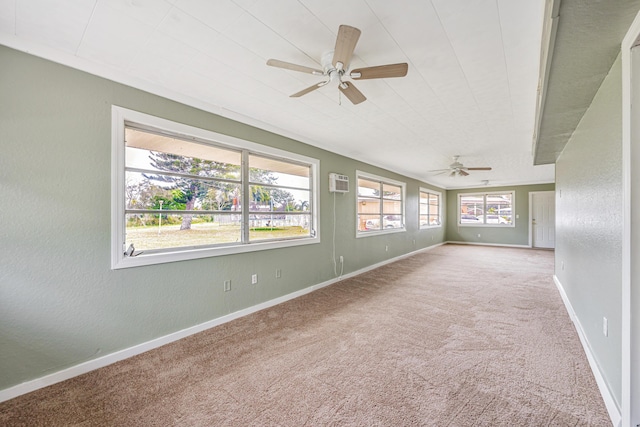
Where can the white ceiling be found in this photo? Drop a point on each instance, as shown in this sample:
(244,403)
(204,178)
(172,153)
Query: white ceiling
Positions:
(470,89)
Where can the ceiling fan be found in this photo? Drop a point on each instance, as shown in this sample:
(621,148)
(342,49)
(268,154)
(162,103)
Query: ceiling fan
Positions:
(457,168)
(335,65)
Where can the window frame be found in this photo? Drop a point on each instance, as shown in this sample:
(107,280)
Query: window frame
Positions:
(439,195)
(120,116)
(383,180)
(484,197)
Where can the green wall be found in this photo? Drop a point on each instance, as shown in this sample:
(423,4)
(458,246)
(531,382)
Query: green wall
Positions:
(60,303)
(517,235)
(589,225)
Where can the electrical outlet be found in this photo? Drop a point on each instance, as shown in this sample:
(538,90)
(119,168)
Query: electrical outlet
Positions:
(414,242)
(478,235)
(254,279)
(605,327)
(278,273)
(386,248)
(227,285)
(341,259)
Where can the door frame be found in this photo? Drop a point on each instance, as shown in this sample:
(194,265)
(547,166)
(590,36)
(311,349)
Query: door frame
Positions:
(630,56)
(531,193)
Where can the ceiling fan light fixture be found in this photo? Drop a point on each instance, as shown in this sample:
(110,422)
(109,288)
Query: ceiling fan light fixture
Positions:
(457,168)
(336,63)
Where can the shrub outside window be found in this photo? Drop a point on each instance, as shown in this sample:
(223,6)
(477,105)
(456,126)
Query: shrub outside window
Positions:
(380,205)
(486,209)
(429,209)
(181,193)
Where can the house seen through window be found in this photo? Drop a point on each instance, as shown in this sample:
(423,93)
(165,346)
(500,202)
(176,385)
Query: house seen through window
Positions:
(493,209)
(429,209)
(380,204)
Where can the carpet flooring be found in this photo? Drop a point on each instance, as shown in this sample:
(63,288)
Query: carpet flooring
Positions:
(455,336)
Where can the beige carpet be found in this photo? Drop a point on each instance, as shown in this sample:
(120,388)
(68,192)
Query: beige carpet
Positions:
(456,336)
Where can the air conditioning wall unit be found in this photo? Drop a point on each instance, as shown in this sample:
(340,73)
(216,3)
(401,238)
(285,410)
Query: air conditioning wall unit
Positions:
(338,183)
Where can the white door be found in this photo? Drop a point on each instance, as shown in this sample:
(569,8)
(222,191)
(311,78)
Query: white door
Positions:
(543,219)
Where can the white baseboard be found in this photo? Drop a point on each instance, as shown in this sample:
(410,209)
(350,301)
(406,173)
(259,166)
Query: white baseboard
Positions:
(489,244)
(117,356)
(609,401)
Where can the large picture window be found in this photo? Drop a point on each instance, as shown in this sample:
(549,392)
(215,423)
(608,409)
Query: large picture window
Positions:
(380,205)
(486,209)
(430,215)
(182,193)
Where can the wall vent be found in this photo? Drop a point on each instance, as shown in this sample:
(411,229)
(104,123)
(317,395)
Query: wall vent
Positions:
(338,183)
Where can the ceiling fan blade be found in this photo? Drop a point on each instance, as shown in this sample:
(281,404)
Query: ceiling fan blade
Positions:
(478,169)
(345,45)
(463,173)
(309,89)
(380,71)
(350,91)
(294,67)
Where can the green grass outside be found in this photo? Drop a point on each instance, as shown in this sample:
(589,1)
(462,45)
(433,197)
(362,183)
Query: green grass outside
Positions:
(204,233)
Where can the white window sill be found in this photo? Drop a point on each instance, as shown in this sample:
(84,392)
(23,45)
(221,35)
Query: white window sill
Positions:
(120,261)
(380,232)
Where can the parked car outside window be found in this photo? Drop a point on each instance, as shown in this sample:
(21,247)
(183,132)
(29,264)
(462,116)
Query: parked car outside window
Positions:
(392,221)
(492,219)
(465,218)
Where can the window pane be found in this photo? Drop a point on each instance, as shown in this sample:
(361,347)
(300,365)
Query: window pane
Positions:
(368,206)
(424,203)
(434,209)
(278,226)
(470,207)
(149,231)
(393,192)
(368,188)
(368,222)
(266,199)
(489,209)
(146,150)
(380,205)
(499,208)
(390,207)
(153,191)
(278,172)
(429,209)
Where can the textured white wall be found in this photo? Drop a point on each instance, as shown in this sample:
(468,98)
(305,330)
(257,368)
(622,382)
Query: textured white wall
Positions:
(589,224)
